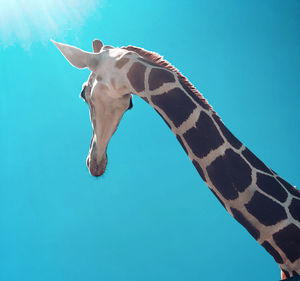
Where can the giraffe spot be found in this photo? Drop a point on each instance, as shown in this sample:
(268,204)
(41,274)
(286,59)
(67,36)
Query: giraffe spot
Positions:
(226,133)
(197,98)
(295,209)
(199,169)
(121,62)
(136,76)
(158,77)
(271,186)
(176,104)
(267,211)
(230,174)
(148,62)
(182,144)
(289,187)
(272,251)
(255,162)
(288,240)
(244,222)
(218,198)
(204,137)
(163,119)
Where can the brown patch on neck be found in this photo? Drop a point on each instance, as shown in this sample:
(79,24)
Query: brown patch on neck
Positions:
(158,77)
(121,62)
(136,76)
(157,60)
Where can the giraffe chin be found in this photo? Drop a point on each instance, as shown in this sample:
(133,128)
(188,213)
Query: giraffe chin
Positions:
(96,169)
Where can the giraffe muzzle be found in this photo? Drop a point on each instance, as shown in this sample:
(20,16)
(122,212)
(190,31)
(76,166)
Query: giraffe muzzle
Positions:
(96,169)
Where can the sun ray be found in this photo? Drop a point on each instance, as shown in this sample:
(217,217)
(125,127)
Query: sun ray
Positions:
(28,21)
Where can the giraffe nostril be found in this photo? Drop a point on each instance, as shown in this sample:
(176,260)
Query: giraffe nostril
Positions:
(97,169)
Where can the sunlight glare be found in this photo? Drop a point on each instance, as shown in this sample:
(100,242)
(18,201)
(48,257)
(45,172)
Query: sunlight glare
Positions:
(28,21)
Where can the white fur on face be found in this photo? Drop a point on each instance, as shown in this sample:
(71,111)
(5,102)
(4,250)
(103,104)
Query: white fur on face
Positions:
(107,92)
(107,106)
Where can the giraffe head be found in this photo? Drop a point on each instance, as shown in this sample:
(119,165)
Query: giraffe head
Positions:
(106,92)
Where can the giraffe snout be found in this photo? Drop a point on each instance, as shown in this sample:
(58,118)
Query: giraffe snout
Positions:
(96,168)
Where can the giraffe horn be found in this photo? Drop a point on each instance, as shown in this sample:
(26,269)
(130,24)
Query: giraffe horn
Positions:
(78,57)
(97,45)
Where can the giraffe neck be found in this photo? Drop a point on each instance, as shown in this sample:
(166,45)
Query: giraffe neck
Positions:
(266,205)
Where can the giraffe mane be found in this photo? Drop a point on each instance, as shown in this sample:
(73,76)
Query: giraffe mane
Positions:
(158,60)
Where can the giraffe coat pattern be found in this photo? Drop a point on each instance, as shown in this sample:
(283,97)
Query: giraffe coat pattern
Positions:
(233,171)
(266,205)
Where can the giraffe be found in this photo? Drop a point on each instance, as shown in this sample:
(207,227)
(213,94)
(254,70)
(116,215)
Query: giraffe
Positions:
(266,205)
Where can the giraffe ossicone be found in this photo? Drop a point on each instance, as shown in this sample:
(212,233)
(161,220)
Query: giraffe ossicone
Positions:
(260,200)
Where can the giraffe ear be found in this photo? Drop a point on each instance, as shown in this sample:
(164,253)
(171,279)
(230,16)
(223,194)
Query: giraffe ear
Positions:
(78,57)
(97,46)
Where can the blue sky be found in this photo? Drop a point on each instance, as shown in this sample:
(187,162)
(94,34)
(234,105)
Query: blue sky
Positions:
(150,217)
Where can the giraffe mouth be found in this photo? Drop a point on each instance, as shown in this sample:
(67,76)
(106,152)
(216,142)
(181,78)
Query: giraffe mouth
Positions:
(96,169)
